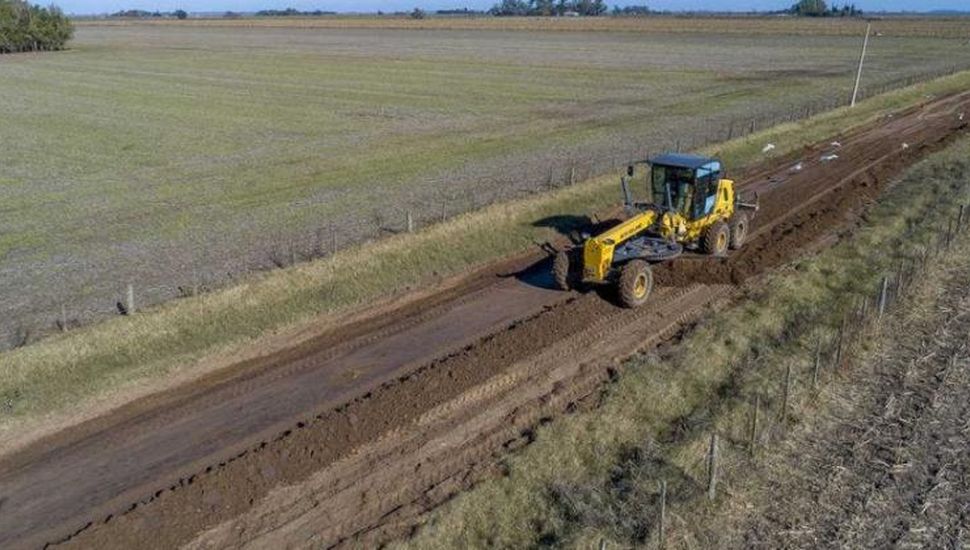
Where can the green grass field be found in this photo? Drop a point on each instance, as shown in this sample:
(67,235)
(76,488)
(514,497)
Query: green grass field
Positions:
(184,155)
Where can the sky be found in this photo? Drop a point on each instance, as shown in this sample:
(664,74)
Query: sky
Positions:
(84,7)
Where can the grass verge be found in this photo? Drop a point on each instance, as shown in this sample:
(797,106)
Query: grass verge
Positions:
(829,457)
(593,476)
(91,362)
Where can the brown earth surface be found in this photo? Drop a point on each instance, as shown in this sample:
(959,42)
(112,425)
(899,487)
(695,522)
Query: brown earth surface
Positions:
(353,434)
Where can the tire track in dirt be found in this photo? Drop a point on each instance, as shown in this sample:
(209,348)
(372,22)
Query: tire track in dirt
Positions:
(461,435)
(237,472)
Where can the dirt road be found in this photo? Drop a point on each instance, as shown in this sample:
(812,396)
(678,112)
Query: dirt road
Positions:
(356,432)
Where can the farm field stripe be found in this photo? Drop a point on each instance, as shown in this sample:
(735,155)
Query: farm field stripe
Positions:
(895,26)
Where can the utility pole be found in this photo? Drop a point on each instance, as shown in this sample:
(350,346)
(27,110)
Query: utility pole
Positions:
(862,58)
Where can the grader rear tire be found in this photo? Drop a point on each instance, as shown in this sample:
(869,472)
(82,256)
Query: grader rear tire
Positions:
(739,230)
(716,239)
(635,283)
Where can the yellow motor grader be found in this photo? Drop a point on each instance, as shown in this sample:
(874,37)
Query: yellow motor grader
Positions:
(691,207)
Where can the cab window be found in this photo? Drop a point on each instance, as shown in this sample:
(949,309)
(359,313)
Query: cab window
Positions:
(708,178)
(679,181)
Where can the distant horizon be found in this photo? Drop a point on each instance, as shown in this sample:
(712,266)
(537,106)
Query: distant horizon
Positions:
(482,11)
(80,8)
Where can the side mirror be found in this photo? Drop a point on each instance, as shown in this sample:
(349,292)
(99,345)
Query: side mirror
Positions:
(629,170)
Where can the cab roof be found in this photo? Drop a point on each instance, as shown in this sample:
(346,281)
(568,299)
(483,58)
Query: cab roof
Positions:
(681,160)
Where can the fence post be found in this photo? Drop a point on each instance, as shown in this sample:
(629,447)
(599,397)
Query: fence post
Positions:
(753,441)
(712,468)
(882,295)
(196,285)
(662,522)
(333,239)
(130,300)
(899,284)
(63,318)
(818,361)
(787,394)
(410,221)
(839,344)
(572,175)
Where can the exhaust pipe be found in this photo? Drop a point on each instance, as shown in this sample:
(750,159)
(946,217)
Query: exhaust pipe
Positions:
(624,183)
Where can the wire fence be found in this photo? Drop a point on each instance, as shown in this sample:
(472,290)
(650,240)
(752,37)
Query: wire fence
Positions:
(326,240)
(862,315)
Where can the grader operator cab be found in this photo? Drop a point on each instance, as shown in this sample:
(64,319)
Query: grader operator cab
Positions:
(691,206)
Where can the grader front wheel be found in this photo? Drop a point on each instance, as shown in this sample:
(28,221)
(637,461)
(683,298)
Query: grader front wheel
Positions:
(739,230)
(635,283)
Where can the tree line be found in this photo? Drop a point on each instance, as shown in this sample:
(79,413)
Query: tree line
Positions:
(145,14)
(808,8)
(293,12)
(818,8)
(549,7)
(632,10)
(27,28)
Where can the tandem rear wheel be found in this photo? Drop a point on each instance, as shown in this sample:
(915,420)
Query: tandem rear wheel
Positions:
(738,226)
(715,239)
